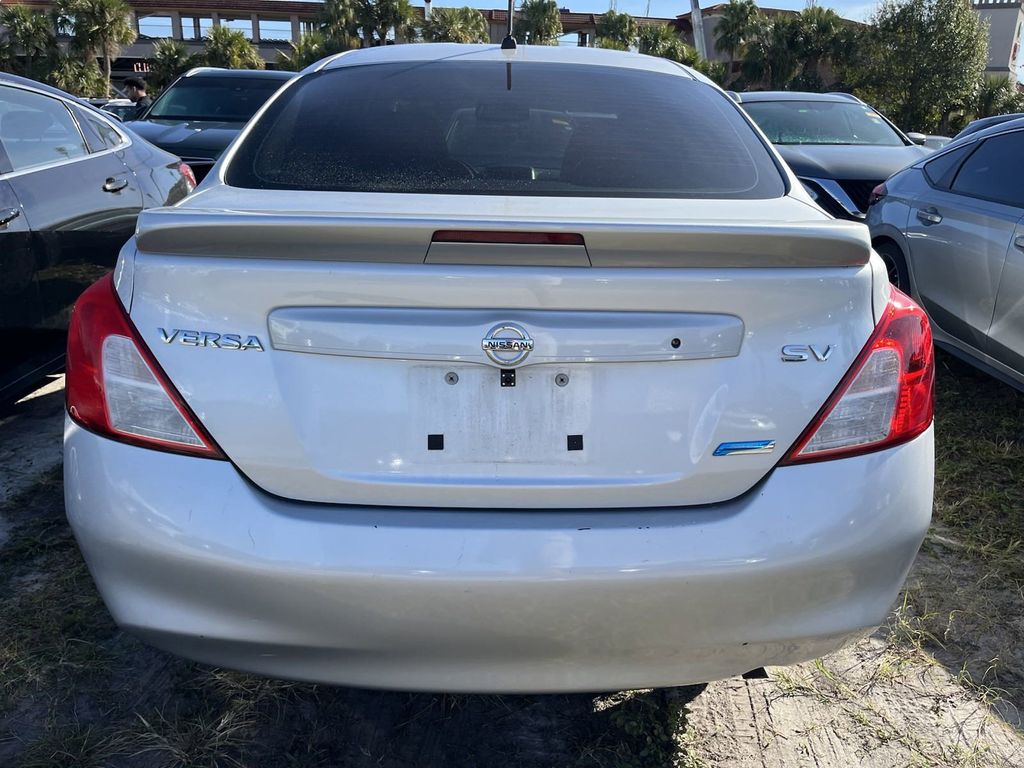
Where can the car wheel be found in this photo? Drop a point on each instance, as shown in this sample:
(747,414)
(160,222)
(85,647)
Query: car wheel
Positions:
(895,265)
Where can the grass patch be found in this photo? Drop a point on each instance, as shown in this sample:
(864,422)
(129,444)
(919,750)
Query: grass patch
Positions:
(979,458)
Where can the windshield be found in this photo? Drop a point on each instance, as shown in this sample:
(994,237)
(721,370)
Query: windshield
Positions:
(479,128)
(227,99)
(822,122)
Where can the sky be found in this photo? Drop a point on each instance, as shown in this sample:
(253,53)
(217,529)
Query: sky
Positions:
(858,10)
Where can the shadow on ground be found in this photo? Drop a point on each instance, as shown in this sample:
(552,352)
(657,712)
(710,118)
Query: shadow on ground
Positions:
(76,692)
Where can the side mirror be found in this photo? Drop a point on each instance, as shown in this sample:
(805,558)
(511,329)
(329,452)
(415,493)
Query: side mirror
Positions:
(917,138)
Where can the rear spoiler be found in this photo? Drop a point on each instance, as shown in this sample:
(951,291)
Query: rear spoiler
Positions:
(407,240)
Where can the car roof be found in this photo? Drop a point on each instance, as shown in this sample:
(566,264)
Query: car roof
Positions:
(270,74)
(6,77)
(992,130)
(747,97)
(532,53)
(983,123)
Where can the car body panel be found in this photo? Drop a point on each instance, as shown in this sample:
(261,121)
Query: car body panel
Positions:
(963,269)
(69,232)
(1006,334)
(585,521)
(194,559)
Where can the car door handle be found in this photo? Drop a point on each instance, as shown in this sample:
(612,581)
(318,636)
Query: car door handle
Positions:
(1019,242)
(115,185)
(7,215)
(931,216)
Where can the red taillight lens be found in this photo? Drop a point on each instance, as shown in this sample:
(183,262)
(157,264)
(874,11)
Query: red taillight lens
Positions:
(885,399)
(115,387)
(877,194)
(190,177)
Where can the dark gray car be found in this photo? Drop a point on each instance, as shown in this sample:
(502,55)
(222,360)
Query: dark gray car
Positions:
(840,147)
(950,229)
(201,112)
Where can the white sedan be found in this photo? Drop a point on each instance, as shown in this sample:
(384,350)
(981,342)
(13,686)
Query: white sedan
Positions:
(481,370)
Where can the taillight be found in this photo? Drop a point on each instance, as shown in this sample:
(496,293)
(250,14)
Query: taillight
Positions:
(885,399)
(190,177)
(115,387)
(877,194)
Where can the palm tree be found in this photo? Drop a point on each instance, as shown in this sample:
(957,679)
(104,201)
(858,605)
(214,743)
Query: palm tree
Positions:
(170,59)
(737,22)
(230,49)
(539,22)
(379,17)
(819,39)
(456,25)
(663,42)
(339,22)
(101,28)
(311,47)
(76,75)
(616,30)
(996,96)
(29,33)
(770,55)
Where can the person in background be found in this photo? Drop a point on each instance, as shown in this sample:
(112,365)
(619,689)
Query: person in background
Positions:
(135,89)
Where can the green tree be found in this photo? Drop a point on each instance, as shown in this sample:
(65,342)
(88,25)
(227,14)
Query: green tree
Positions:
(230,49)
(30,34)
(76,75)
(100,28)
(661,41)
(735,25)
(456,25)
(339,24)
(310,48)
(617,30)
(538,22)
(995,96)
(770,56)
(378,17)
(921,60)
(170,59)
(820,39)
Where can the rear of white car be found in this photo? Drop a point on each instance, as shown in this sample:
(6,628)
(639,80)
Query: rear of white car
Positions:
(479,371)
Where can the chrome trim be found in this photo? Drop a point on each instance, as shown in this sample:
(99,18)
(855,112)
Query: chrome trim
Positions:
(126,140)
(837,193)
(745,448)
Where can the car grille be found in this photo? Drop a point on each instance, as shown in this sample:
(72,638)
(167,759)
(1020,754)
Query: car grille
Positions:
(859,191)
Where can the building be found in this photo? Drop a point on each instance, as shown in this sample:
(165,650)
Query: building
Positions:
(1005,25)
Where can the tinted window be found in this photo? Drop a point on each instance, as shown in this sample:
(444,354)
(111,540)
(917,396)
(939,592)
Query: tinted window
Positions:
(995,171)
(36,130)
(230,99)
(98,132)
(940,170)
(822,122)
(464,128)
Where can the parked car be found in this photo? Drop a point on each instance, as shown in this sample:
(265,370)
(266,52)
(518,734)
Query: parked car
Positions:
(201,112)
(124,109)
(950,231)
(987,122)
(72,184)
(480,370)
(929,140)
(839,147)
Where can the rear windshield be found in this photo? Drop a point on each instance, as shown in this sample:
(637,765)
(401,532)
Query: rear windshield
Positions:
(519,129)
(227,99)
(822,122)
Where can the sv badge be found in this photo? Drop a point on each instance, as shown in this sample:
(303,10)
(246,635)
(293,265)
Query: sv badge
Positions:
(801,353)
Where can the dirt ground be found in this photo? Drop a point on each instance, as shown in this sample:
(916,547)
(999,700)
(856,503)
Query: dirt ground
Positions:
(941,684)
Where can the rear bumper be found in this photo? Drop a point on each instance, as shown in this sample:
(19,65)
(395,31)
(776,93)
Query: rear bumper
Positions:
(187,554)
